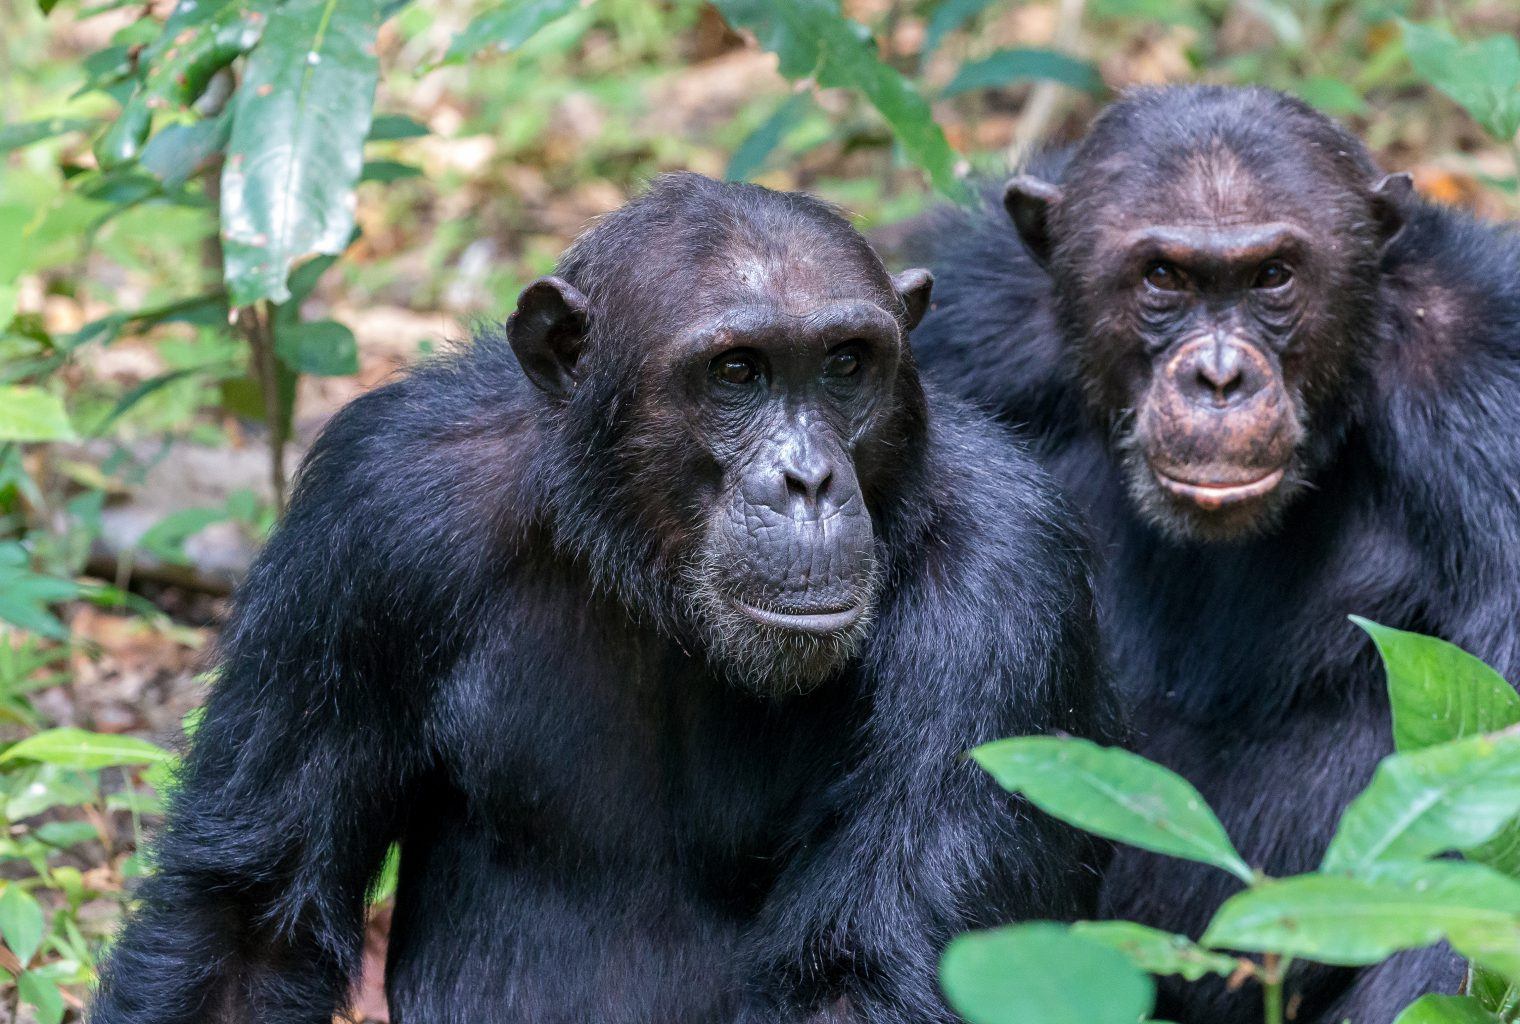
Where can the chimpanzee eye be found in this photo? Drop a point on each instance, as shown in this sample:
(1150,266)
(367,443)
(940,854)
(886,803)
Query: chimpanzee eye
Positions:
(843,363)
(1272,274)
(735,368)
(1163,275)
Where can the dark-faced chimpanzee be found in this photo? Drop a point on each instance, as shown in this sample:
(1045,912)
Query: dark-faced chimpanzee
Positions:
(654,633)
(1284,389)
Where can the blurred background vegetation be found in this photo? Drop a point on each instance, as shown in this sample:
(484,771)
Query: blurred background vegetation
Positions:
(159,375)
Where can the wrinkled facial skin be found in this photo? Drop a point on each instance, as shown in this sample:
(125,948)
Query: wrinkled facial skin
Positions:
(1207,328)
(1211,447)
(785,579)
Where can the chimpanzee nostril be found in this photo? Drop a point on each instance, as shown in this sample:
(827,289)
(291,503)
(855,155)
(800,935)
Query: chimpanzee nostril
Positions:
(1218,375)
(1223,382)
(809,483)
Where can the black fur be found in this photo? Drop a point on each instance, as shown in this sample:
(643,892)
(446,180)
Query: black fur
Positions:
(1237,657)
(455,640)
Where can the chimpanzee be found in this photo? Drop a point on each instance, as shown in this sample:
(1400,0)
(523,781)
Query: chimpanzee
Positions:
(654,632)
(1283,389)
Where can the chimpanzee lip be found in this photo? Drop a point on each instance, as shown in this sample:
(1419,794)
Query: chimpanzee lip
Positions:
(1211,495)
(826,621)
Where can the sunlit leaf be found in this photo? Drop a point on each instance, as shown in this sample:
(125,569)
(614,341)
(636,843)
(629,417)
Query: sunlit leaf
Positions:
(1113,793)
(1042,973)
(32,414)
(1158,952)
(1483,76)
(1438,691)
(813,39)
(300,118)
(1433,1009)
(84,751)
(43,994)
(1453,796)
(1338,919)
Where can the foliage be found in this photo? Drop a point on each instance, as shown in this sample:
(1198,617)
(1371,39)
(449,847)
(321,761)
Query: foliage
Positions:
(1384,886)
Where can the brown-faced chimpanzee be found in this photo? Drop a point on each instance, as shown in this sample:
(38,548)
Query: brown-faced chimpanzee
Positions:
(653,632)
(1284,389)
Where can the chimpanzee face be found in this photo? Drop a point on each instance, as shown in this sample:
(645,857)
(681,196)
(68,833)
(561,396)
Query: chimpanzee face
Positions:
(755,427)
(1213,312)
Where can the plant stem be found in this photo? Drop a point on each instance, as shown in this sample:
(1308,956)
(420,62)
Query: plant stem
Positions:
(257,328)
(1274,970)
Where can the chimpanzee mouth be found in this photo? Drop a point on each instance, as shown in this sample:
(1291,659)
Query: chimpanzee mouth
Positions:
(1216,495)
(829,620)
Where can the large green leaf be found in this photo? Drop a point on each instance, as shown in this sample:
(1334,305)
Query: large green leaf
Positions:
(1158,952)
(1483,75)
(1446,1010)
(506,26)
(323,348)
(1113,793)
(758,144)
(300,118)
(1438,691)
(1042,973)
(18,136)
(1349,921)
(813,39)
(25,595)
(948,16)
(1022,65)
(32,414)
(1448,797)
(85,751)
(21,922)
(197,41)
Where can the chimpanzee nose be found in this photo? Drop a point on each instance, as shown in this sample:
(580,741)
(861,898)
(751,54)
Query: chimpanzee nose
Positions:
(808,480)
(1219,374)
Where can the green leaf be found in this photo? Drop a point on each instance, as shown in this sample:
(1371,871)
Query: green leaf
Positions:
(387,171)
(1448,797)
(1157,952)
(43,994)
(506,26)
(758,144)
(1438,691)
(1115,794)
(813,39)
(1483,76)
(165,539)
(31,414)
(391,127)
(197,41)
(25,595)
(177,152)
(1446,1010)
(300,118)
(1042,973)
(949,16)
(1356,921)
(1021,65)
(323,348)
(85,751)
(21,922)
(1331,95)
(19,136)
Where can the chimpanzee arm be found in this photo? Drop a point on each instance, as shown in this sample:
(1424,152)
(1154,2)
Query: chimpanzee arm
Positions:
(298,776)
(1444,418)
(991,637)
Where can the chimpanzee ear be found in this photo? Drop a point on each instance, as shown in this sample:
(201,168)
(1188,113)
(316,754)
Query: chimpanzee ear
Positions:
(1393,199)
(546,333)
(1028,201)
(913,289)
